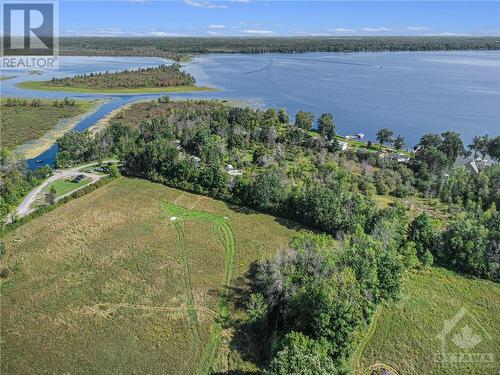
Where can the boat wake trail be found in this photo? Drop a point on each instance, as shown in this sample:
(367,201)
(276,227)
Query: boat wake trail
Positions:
(332,61)
(352,63)
(261,68)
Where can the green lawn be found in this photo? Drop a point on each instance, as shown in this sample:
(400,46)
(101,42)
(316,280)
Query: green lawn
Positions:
(63,186)
(42,85)
(405,334)
(110,283)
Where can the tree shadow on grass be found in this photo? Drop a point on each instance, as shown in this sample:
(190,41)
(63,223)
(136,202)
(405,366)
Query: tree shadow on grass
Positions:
(240,209)
(248,340)
(288,223)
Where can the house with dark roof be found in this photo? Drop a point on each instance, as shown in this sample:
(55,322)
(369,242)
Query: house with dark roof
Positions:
(474,166)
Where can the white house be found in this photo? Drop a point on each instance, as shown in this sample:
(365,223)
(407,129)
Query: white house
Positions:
(400,158)
(232,171)
(343,145)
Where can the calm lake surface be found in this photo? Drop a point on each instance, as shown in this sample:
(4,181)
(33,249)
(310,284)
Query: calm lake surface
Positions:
(412,93)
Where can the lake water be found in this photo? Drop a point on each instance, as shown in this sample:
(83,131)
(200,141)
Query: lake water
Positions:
(413,93)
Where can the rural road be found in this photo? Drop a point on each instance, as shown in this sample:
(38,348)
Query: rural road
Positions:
(24,207)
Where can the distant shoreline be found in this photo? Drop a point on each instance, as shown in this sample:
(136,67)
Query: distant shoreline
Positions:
(182,49)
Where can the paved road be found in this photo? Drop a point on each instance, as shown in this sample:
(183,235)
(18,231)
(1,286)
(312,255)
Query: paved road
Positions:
(25,207)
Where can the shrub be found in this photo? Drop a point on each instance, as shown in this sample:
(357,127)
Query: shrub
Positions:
(257,308)
(301,355)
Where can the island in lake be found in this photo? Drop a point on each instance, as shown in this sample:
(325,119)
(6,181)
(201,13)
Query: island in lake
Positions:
(164,78)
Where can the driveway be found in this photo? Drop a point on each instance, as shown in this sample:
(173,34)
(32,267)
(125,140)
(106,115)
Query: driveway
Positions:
(24,207)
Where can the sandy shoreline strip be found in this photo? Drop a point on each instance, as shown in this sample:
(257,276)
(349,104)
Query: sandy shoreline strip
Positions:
(104,122)
(35,147)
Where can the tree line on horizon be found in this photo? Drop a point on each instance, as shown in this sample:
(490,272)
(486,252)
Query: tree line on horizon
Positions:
(177,47)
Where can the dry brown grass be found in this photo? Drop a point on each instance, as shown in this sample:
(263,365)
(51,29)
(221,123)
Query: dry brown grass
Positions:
(96,285)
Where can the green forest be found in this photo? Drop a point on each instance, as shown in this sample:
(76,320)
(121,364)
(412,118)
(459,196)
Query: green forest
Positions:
(261,159)
(177,48)
(310,302)
(157,77)
(308,306)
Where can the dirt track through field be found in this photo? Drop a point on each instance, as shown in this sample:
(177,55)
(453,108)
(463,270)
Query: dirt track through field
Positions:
(188,287)
(225,236)
(104,310)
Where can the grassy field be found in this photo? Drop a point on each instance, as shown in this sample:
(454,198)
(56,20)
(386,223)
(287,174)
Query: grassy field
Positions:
(21,124)
(62,187)
(418,205)
(65,186)
(41,85)
(128,279)
(404,337)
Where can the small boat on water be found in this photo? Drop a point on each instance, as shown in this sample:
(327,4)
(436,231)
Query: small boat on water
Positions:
(39,161)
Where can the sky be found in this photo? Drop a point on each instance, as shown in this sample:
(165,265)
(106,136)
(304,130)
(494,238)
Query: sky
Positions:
(277,18)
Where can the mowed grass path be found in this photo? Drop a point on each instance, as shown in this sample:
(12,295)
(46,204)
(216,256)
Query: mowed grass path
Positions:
(100,285)
(405,334)
(224,234)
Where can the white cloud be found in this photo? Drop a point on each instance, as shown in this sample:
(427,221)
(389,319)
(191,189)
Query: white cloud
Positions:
(309,33)
(162,33)
(341,30)
(212,32)
(213,26)
(377,29)
(258,32)
(204,4)
(101,31)
(490,32)
(380,29)
(416,28)
(116,33)
(447,33)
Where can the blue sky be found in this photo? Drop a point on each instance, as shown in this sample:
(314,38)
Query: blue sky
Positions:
(277,18)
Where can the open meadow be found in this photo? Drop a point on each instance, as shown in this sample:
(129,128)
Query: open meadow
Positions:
(128,279)
(23,121)
(131,278)
(405,336)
